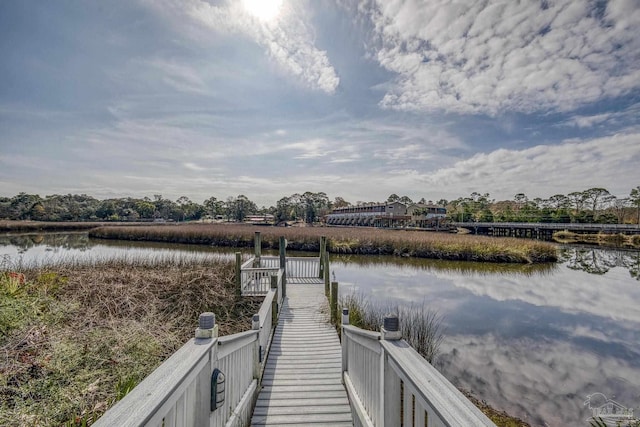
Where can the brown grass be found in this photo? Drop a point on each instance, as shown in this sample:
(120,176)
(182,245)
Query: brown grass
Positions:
(366,241)
(26,226)
(74,339)
(500,418)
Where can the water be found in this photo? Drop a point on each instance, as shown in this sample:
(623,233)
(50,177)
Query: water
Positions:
(532,340)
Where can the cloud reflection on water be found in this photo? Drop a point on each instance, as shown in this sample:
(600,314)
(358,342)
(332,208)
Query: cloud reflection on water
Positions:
(532,341)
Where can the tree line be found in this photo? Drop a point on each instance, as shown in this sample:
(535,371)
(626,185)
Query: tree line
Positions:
(594,205)
(309,207)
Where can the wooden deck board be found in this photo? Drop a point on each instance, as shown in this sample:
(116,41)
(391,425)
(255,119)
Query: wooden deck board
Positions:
(302,380)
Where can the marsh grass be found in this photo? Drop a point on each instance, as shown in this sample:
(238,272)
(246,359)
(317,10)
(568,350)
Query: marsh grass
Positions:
(26,226)
(421,326)
(365,241)
(76,337)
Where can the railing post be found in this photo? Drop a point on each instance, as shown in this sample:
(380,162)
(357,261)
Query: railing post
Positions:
(207,328)
(344,343)
(333,302)
(257,249)
(391,328)
(326,274)
(390,407)
(283,264)
(257,358)
(274,304)
(238,274)
(323,249)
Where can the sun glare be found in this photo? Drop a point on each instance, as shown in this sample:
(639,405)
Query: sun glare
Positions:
(264,10)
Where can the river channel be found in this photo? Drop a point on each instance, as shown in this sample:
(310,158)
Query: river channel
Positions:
(535,341)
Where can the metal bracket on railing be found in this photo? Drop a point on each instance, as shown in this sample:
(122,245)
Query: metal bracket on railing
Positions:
(217,389)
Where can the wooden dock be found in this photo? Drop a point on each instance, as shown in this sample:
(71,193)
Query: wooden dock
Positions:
(308,378)
(302,382)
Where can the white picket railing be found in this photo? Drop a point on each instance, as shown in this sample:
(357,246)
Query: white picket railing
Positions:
(303,267)
(390,384)
(256,273)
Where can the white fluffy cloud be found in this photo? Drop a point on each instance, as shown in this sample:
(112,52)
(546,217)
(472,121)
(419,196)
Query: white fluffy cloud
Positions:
(288,39)
(505,56)
(610,162)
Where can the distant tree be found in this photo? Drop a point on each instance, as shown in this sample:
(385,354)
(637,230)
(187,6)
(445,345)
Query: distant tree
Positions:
(559,201)
(242,206)
(339,202)
(21,204)
(520,199)
(405,200)
(393,198)
(212,207)
(422,201)
(486,215)
(145,209)
(577,199)
(283,209)
(595,198)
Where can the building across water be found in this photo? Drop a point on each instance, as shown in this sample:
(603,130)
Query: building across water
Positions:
(389,215)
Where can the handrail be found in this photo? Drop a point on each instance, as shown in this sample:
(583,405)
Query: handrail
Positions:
(554,225)
(156,396)
(378,371)
(178,392)
(429,386)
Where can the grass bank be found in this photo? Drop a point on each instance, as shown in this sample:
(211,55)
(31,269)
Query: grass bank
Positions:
(28,226)
(364,241)
(76,338)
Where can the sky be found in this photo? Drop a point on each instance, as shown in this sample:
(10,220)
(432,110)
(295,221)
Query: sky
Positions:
(358,99)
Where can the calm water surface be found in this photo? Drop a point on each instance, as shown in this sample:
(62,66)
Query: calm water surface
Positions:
(532,340)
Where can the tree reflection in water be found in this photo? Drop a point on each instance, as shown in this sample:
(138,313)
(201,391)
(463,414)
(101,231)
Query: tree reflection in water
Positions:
(597,261)
(52,241)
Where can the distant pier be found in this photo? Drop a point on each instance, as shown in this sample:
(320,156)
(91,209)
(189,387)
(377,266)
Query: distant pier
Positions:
(543,231)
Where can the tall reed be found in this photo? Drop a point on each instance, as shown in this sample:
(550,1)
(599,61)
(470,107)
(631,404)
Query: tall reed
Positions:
(420,325)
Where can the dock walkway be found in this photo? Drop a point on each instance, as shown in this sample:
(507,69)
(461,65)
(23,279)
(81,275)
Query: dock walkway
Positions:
(302,379)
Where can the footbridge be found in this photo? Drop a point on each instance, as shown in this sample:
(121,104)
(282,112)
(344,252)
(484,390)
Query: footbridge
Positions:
(540,230)
(291,368)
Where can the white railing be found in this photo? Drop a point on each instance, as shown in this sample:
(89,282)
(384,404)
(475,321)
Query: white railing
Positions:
(178,392)
(237,359)
(303,267)
(390,384)
(255,277)
(361,362)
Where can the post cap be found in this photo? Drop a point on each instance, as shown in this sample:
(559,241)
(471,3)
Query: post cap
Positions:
(207,320)
(391,322)
(345,311)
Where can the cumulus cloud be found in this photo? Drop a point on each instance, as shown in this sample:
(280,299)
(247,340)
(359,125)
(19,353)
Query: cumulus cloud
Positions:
(504,56)
(288,39)
(575,164)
